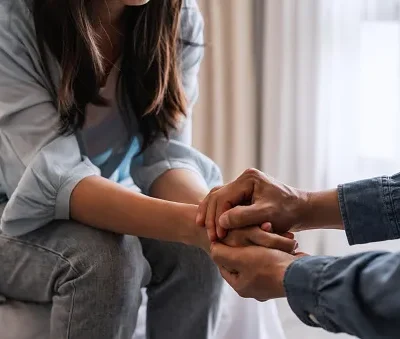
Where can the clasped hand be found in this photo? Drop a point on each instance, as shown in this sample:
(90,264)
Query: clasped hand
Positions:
(253,259)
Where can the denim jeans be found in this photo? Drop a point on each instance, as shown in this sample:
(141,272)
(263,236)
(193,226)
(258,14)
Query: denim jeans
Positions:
(93,279)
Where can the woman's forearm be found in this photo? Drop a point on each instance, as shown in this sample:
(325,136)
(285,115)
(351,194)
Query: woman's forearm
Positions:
(100,203)
(322,210)
(180,185)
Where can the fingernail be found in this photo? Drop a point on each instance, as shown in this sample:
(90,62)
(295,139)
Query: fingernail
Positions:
(266,227)
(198,219)
(223,221)
(221,233)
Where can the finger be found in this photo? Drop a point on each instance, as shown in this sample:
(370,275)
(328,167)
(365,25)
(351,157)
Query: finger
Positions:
(222,206)
(227,256)
(210,218)
(273,241)
(238,191)
(288,235)
(202,210)
(267,227)
(242,216)
(221,232)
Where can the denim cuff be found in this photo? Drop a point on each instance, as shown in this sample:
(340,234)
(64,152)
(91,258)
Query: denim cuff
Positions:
(301,284)
(368,209)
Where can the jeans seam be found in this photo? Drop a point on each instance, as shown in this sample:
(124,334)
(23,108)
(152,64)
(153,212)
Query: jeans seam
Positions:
(11,239)
(60,256)
(71,311)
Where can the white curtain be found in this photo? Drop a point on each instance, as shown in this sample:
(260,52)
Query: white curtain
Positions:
(330,104)
(288,86)
(365,110)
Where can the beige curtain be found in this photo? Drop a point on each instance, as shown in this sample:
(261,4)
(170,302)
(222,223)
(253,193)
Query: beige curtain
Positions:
(225,118)
(226,128)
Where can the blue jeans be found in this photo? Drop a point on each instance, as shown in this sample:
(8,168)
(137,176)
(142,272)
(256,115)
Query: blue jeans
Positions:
(93,279)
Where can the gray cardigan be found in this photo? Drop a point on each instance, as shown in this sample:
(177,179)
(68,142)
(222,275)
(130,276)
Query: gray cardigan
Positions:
(38,167)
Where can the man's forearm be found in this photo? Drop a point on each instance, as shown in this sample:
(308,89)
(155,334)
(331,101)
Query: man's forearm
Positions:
(367,210)
(357,294)
(322,210)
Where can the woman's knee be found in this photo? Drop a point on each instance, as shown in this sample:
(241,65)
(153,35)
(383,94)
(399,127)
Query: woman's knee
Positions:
(99,257)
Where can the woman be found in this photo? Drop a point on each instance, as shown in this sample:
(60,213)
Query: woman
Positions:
(93,94)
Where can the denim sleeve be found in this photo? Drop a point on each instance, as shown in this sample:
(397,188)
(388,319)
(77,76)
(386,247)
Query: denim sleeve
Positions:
(357,294)
(177,153)
(38,168)
(371,209)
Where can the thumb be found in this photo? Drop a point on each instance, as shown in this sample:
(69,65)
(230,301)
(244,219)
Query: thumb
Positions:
(242,216)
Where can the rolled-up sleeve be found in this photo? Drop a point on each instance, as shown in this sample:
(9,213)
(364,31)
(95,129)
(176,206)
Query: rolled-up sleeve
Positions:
(356,294)
(38,167)
(177,152)
(371,209)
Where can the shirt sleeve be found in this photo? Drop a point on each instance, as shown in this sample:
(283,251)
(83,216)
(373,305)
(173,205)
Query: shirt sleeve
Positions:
(177,153)
(38,167)
(371,209)
(357,294)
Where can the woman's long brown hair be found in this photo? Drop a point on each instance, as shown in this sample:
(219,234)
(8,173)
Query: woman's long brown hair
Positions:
(150,87)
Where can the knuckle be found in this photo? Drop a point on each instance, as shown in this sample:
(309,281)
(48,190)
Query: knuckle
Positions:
(252,172)
(215,189)
(214,196)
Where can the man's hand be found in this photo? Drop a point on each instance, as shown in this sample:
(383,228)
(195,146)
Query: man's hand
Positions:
(253,272)
(252,199)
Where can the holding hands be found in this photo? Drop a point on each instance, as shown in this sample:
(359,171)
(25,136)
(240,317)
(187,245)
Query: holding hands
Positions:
(233,215)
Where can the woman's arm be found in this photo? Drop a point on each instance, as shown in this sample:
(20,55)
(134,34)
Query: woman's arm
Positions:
(180,185)
(103,204)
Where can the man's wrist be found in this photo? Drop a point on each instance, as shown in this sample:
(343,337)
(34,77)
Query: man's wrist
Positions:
(304,211)
(319,210)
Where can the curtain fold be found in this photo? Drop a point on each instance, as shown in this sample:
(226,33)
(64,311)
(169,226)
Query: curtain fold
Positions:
(226,128)
(225,118)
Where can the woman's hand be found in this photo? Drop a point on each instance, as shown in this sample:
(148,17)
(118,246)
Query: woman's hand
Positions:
(254,235)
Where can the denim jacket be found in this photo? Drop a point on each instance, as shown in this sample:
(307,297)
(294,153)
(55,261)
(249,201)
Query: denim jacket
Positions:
(40,168)
(358,294)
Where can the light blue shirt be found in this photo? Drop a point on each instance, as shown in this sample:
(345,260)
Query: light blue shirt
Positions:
(40,168)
